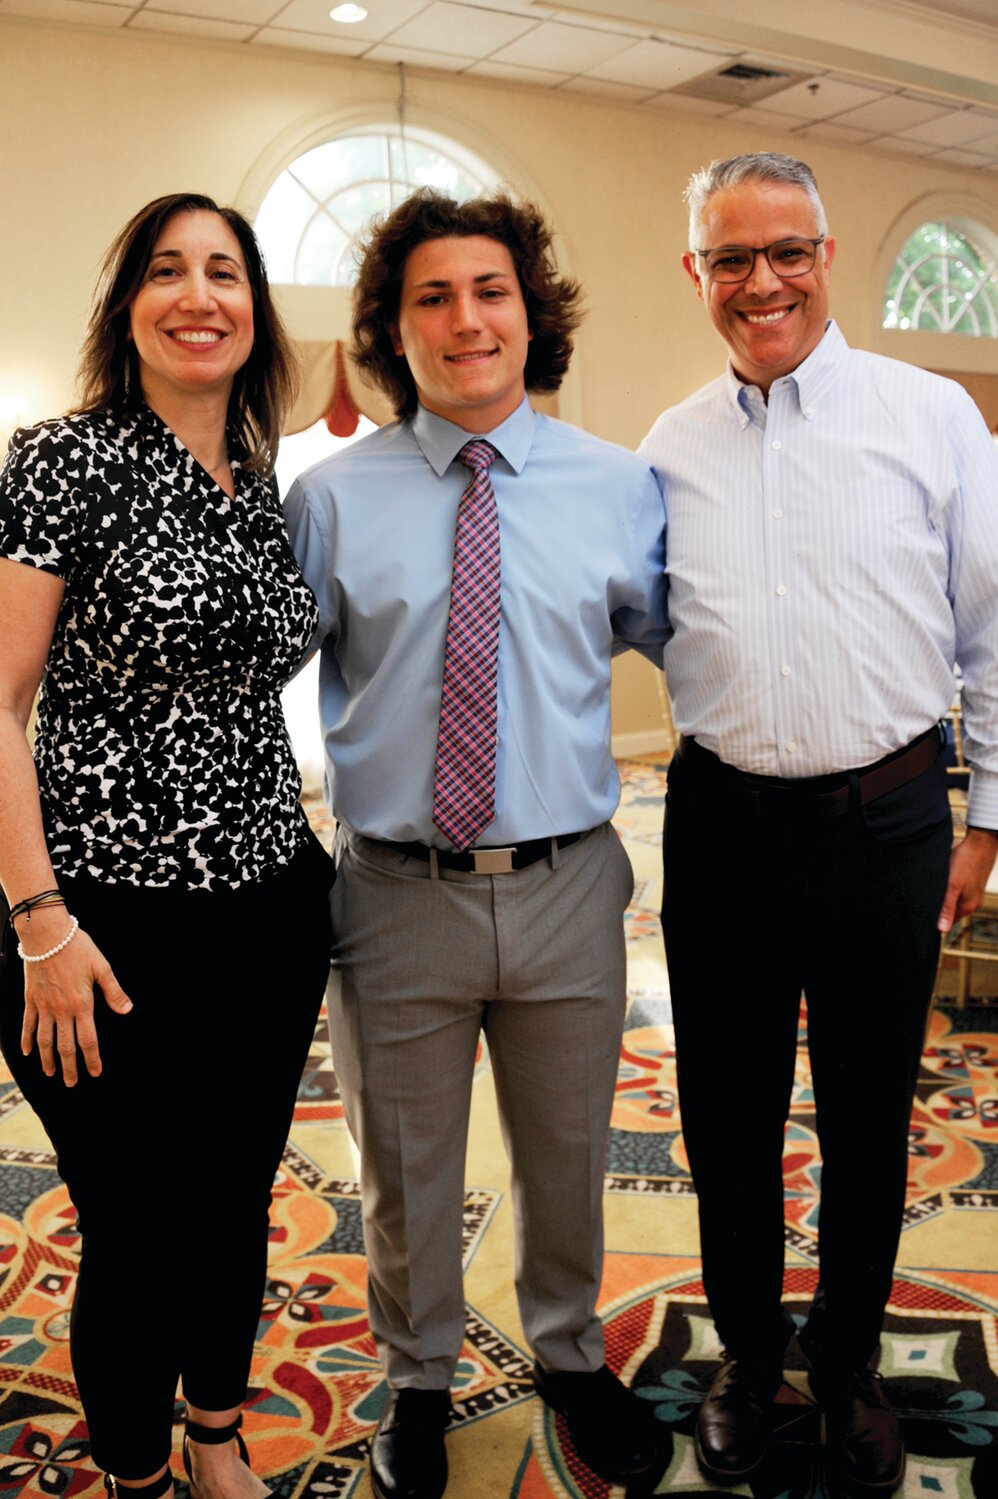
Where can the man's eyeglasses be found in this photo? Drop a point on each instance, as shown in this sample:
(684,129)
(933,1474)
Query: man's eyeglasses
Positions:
(786,258)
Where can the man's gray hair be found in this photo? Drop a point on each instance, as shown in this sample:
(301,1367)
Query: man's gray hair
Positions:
(754,166)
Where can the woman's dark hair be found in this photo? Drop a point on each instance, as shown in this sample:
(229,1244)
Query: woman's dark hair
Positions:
(109,372)
(552,301)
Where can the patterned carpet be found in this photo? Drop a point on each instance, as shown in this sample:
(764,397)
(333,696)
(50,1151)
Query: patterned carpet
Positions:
(316,1386)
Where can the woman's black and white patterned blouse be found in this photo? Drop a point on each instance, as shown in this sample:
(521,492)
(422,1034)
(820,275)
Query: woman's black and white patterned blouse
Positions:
(162,755)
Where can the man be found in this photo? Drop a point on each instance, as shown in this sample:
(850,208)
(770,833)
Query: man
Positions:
(465,679)
(832,549)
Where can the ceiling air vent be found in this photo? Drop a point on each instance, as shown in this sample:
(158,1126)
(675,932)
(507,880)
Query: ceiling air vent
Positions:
(740,83)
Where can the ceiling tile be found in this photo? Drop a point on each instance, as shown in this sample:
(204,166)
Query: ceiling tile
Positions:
(986,144)
(604,23)
(414,57)
(516,8)
(822,97)
(382,18)
(242,12)
(960,158)
(893,114)
(767,119)
(952,129)
(535,76)
(899,143)
(462,29)
(657,65)
(683,104)
(830,130)
(86,11)
(603,88)
(566,49)
(309,41)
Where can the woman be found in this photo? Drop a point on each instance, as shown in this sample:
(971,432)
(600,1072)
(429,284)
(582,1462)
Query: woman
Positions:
(167,901)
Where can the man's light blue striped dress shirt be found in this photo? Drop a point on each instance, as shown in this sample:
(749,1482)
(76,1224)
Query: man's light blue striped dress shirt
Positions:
(830,555)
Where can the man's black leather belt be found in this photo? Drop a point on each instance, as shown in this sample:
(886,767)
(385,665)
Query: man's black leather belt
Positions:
(485,860)
(832,794)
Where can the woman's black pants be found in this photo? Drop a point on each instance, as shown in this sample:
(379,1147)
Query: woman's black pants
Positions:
(170,1154)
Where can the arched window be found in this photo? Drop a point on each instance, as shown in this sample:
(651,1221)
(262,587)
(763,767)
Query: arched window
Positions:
(314,213)
(944,280)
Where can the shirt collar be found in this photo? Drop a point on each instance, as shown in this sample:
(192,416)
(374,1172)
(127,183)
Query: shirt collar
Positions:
(440,441)
(812,379)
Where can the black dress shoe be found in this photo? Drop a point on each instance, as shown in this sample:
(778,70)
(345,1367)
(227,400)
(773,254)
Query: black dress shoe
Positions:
(732,1432)
(865,1451)
(408,1457)
(613,1432)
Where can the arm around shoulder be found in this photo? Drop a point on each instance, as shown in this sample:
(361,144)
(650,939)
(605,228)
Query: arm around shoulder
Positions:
(644,623)
(310,533)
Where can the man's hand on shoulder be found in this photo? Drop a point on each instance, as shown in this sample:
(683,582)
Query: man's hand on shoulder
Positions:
(970,865)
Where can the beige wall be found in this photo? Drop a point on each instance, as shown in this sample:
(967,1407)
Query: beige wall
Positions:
(92,124)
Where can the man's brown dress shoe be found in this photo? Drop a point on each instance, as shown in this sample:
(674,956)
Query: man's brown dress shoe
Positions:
(732,1432)
(865,1449)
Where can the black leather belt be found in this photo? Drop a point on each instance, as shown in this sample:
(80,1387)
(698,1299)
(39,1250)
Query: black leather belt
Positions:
(831,795)
(484,860)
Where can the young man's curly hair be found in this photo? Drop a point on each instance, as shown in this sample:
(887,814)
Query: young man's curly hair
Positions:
(552,301)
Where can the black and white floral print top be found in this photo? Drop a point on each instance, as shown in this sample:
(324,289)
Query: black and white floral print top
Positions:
(162,755)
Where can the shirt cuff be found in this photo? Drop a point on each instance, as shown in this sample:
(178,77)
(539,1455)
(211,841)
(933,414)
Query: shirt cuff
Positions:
(982,801)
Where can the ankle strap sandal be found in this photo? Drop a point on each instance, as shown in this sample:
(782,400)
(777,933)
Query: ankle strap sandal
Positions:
(211,1436)
(153,1490)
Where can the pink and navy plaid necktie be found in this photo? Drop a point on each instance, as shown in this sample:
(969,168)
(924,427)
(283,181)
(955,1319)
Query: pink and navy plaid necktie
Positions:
(464,781)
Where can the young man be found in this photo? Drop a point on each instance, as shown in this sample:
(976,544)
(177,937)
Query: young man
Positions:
(832,548)
(476,565)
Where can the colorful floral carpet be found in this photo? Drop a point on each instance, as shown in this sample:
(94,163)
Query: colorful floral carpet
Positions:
(316,1388)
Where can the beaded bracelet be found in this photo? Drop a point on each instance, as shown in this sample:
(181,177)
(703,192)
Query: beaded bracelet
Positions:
(74,927)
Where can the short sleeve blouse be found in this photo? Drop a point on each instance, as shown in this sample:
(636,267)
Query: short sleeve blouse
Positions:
(162,755)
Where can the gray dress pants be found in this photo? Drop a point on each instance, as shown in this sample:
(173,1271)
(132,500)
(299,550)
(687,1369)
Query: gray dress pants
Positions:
(424,963)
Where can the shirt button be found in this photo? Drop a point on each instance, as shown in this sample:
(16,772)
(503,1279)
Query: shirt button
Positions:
(781,589)
(777,514)
(791,745)
(777,444)
(785,671)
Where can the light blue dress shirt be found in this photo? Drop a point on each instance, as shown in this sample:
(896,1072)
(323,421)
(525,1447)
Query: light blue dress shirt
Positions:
(581,543)
(830,555)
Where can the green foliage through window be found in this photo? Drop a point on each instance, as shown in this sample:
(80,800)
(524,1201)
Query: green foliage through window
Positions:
(944,281)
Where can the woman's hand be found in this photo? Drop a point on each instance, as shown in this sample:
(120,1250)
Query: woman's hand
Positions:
(59,999)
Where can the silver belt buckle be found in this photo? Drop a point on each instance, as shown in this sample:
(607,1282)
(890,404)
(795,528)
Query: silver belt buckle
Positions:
(492,860)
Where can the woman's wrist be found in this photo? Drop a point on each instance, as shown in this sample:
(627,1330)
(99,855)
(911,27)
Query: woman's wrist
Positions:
(48,915)
(39,950)
(38,930)
(32,908)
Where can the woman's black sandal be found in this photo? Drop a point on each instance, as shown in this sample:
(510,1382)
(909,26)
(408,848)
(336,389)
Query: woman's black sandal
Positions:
(152,1490)
(211,1436)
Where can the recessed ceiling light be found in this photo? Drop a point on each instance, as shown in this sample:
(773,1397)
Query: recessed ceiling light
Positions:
(348,14)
